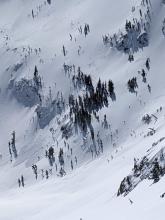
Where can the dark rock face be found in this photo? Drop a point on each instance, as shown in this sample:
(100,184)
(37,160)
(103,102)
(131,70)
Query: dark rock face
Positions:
(132,41)
(25,92)
(17,67)
(46,113)
(136,33)
(143,40)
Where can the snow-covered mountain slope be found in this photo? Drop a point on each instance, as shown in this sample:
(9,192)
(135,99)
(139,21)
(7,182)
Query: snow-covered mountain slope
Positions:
(108,160)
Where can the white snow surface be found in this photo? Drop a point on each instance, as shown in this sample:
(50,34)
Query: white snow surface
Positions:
(89,192)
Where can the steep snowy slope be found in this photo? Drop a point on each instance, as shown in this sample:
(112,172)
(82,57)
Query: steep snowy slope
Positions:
(67,40)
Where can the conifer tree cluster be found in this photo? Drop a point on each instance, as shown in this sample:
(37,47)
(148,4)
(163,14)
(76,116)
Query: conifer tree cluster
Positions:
(94,99)
(132,85)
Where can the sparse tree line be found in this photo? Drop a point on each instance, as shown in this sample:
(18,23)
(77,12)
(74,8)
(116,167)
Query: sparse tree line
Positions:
(35,12)
(132,83)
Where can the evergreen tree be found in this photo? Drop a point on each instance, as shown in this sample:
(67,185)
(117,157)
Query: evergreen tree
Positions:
(22,181)
(132,85)
(13,145)
(61,157)
(156,171)
(49,2)
(37,79)
(64,50)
